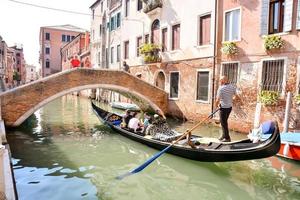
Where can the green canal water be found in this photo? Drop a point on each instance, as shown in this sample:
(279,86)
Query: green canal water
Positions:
(64,152)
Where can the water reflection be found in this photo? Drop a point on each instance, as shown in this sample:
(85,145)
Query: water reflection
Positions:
(64,152)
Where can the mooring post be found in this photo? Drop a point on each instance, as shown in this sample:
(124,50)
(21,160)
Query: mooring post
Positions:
(257,115)
(287,113)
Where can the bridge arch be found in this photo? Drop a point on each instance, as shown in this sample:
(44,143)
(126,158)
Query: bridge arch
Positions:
(18,104)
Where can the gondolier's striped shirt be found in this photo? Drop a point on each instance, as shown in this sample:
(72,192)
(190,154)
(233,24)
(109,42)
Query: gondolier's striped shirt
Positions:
(226,93)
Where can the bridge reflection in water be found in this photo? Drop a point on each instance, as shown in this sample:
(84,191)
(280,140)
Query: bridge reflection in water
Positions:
(64,152)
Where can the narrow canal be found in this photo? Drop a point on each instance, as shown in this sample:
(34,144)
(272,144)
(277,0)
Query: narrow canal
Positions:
(64,152)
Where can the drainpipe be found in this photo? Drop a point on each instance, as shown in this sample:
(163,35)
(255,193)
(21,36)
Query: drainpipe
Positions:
(214,57)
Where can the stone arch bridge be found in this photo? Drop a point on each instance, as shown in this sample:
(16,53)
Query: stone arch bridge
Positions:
(19,103)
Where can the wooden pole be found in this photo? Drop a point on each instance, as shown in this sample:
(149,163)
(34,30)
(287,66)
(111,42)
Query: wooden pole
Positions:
(287,113)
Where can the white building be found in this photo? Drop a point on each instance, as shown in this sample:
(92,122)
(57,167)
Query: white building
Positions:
(183,30)
(31,73)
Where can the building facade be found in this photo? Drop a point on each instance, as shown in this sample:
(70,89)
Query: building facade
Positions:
(257,66)
(31,73)
(52,39)
(190,63)
(79,46)
(3,64)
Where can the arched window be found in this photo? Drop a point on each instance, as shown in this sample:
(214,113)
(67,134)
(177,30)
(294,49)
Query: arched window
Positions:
(160,80)
(155,32)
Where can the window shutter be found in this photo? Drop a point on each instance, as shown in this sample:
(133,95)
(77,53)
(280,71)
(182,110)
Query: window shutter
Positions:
(298,15)
(264,17)
(288,12)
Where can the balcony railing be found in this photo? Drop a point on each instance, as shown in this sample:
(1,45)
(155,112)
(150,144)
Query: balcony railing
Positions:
(114,4)
(151,5)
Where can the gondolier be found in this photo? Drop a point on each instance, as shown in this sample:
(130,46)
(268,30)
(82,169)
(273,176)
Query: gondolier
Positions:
(225,95)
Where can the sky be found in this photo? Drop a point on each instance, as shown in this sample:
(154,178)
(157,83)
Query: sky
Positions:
(20,24)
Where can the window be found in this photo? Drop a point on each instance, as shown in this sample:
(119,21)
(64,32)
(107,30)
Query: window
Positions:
(147,38)
(202,85)
(232,25)
(155,32)
(231,71)
(99,58)
(112,23)
(126,50)
(101,6)
(93,14)
(272,75)
(139,5)
(68,38)
(118,53)
(47,50)
(47,36)
(100,29)
(139,41)
(176,37)
(204,37)
(112,54)
(164,34)
(106,58)
(276,14)
(174,84)
(63,38)
(127,7)
(118,19)
(47,63)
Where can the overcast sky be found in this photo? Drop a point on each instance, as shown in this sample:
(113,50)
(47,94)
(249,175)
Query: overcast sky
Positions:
(21,23)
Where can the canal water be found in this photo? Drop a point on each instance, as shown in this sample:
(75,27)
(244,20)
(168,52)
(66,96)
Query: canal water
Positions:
(64,152)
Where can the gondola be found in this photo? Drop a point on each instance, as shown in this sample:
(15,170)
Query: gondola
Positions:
(213,151)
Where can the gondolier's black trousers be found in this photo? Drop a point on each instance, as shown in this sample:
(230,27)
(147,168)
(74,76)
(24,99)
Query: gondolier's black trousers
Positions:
(224,114)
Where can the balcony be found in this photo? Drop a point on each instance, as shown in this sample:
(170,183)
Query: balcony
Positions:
(114,4)
(152,6)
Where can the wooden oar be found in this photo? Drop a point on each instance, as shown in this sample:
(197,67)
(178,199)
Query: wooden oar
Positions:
(155,156)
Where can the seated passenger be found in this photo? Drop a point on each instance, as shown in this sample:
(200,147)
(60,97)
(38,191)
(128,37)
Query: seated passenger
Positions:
(135,124)
(147,120)
(126,119)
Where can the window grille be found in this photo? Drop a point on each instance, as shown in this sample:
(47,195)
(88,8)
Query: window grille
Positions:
(272,75)
(231,71)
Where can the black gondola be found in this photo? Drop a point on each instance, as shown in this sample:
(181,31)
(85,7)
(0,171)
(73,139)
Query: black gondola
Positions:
(209,152)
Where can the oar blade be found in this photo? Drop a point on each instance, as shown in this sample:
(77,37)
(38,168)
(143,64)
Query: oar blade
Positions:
(144,165)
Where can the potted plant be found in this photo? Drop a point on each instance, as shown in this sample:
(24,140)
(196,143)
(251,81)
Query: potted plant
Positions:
(229,48)
(16,76)
(272,42)
(151,5)
(268,98)
(150,52)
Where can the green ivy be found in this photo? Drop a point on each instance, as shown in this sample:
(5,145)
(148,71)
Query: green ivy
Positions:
(16,76)
(150,52)
(268,98)
(273,42)
(229,48)
(297,99)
